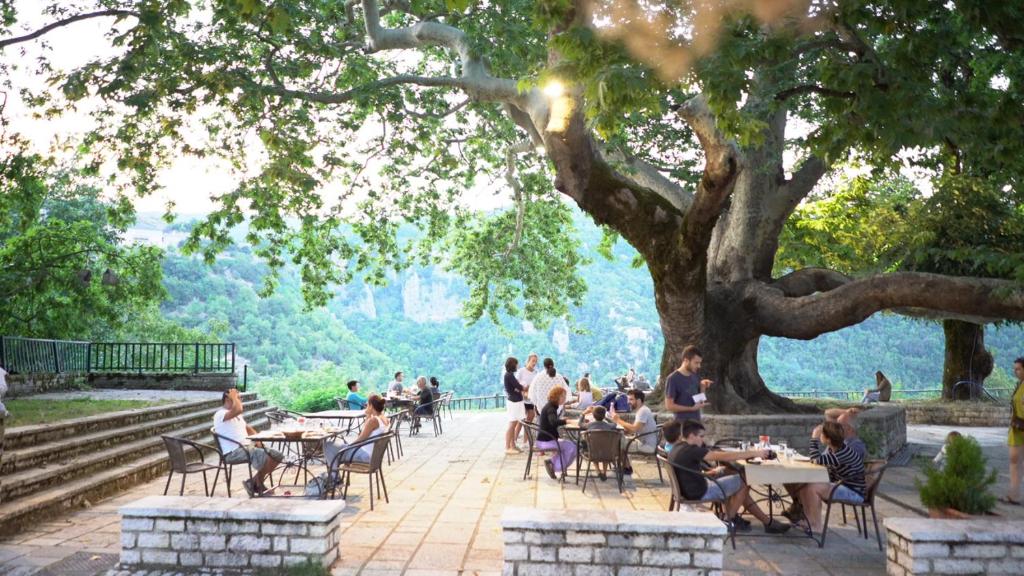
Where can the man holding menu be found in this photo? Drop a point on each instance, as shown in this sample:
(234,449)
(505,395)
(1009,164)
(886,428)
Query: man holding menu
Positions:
(684,390)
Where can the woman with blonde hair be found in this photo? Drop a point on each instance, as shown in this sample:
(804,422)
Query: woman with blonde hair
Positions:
(584,397)
(547,438)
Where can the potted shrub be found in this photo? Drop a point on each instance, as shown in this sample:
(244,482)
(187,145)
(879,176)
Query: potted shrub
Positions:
(960,489)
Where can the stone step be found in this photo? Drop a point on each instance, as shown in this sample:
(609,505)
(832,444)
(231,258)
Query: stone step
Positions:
(15,461)
(27,482)
(26,436)
(88,490)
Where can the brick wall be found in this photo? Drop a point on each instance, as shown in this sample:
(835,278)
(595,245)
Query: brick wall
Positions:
(616,543)
(192,532)
(927,546)
(958,413)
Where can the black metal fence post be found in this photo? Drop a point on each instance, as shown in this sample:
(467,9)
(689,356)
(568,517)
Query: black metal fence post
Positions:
(56,358)
(245,377)
(195,369)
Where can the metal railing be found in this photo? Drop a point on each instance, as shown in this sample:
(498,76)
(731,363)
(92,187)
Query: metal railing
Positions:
(478,402)
(33,355)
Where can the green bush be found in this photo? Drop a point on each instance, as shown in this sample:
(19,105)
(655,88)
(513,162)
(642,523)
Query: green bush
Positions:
(963,484)
(319,399)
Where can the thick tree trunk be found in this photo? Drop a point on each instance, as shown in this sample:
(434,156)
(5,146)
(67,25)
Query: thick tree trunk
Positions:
(966,358)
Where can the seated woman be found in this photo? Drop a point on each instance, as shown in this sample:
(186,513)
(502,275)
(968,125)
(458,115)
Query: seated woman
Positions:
(547,438)
(584,396)
(376,423)
(689,452)
(845,464)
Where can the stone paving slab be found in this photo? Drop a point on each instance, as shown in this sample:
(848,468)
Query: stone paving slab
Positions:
(447,497)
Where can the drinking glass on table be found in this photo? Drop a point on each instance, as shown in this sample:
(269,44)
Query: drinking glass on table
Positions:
(744,446)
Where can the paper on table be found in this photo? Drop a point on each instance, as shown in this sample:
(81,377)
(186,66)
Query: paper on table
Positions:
(698,398)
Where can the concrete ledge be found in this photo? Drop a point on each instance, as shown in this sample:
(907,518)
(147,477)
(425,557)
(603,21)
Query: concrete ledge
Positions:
(193,533)
(269,509)
(556,542)
(964,413)
(925,546)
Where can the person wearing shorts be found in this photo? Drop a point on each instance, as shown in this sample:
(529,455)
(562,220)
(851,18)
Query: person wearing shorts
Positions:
(233,432)
(845,464)
(514,407)
(687,458)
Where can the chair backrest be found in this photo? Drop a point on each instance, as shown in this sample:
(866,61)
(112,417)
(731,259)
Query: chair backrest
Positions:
(342,403)
(873,471)
(176,453)
(531,431)
(604,446)
(673,480)
(227,441)
(277,416)
(380,446)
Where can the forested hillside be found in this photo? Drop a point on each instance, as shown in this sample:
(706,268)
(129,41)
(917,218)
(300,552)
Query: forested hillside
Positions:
(414,325)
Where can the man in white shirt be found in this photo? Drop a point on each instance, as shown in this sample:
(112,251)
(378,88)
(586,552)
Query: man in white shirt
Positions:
(230,427)
(525,376)
(3,391)
(643,425)
(395,387)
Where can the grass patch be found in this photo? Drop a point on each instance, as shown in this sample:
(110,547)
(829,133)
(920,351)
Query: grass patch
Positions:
(28,411)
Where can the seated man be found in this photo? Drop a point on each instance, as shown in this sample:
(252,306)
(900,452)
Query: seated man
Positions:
(356,401)
(599,423)
(690,453)
(643,425)
(229,423)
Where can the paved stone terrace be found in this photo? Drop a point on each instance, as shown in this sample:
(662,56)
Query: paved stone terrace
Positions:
(447,496)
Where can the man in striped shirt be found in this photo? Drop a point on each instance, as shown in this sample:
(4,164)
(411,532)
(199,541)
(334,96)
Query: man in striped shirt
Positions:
(845,464)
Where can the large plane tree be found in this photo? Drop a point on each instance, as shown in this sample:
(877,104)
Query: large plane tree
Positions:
(691,130)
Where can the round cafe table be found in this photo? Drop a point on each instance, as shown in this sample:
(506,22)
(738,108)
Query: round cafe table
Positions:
(344,418)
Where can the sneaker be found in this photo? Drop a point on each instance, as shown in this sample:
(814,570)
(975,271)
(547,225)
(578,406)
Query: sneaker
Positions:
(627,470)
(550,467)
(602,476)
(776,527)
(741,521)
(249,489)
(793,513)
(739,526)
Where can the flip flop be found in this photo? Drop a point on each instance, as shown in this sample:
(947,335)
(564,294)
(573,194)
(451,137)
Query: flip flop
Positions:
(1010,501)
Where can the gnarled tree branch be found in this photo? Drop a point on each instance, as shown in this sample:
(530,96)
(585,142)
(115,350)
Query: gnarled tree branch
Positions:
(5,42)
(806,317)
(807,281)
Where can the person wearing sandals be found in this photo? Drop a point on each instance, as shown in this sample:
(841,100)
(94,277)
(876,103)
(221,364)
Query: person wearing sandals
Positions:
(547,438)
(376,423)
(1015,437)
(229,423)
(845,464)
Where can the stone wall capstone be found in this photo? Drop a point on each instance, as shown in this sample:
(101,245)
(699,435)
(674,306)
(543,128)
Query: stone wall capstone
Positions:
(215,382)
(927,546)
(193,532)
(617,543)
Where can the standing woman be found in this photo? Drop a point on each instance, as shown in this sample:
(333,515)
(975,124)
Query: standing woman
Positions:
(1016,435)
(547,438)
(513,406)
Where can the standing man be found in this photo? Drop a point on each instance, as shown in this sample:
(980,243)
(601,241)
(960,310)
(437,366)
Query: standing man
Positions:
(683,384)
(230,426)
(395,388)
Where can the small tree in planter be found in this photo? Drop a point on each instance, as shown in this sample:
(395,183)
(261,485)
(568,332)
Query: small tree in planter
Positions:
(961,488)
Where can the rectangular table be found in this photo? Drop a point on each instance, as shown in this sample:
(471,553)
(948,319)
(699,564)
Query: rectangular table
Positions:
(785,472)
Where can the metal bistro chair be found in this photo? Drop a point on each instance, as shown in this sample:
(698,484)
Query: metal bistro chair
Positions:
(660,433)
(279,417)
(873,472)
(434,416)
(228,467)
(447,398)
(677,500)
(342,403)
(342,467)
(532,430)
(603,447)
(395,428)
(179,462)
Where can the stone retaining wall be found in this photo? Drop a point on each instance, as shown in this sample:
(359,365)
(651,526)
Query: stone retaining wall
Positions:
(884,425)
(215,382)
(926,546)
(964,413)
(617,543)
(193,532)
(29,384)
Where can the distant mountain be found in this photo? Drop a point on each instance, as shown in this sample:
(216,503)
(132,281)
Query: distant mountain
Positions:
(414,325)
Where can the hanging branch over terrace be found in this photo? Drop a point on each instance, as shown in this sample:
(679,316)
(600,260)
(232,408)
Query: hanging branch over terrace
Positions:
(5,42)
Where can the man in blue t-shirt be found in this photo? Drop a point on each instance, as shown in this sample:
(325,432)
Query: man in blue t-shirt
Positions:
(356,401)
(683,384)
